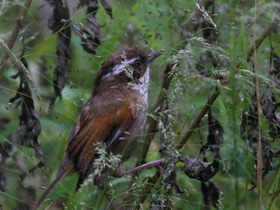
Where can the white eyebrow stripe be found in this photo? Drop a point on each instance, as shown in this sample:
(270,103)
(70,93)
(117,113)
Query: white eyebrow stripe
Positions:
(119,67)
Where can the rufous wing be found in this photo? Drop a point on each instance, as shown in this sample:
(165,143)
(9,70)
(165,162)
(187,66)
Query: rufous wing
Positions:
(94,128)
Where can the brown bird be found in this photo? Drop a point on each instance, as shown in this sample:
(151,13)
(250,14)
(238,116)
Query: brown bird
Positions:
(114,115)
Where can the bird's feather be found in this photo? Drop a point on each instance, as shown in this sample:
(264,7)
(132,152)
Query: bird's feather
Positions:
(96,128)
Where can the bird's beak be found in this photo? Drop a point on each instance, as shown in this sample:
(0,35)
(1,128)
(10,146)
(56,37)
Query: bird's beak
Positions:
(152,56)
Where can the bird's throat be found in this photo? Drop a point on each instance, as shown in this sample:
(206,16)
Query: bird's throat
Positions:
(142,85)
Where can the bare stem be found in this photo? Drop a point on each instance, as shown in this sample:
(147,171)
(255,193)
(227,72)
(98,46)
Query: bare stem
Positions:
(197,120)
(261,38)
(259,153)
(151,164)
(274,198)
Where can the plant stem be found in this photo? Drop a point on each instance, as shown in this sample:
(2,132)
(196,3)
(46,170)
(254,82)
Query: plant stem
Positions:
(259,153)
(233,114)
(274,198)
(197,120)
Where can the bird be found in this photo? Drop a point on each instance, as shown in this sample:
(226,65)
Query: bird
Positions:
(114,115)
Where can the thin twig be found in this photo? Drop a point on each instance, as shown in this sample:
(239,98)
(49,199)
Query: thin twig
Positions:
(259,153)
(15,32)
(261,38)
(151,164)
(274,198)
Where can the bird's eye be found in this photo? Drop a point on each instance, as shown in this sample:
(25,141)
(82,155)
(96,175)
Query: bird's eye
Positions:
(138,63)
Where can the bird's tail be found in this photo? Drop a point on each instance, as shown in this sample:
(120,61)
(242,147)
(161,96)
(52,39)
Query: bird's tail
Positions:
(52,186)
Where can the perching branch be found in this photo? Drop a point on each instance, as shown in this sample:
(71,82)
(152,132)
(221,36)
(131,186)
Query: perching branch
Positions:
(15,32)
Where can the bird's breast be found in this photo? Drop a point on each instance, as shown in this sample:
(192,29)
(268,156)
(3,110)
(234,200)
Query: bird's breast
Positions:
(142,85)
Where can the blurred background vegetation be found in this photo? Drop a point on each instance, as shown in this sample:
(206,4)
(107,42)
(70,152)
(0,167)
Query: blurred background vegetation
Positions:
(225,29)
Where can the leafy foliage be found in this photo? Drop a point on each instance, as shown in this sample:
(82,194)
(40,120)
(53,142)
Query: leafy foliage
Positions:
(249,123)
(203,171)
(30,126)
(58,23)
(208,45)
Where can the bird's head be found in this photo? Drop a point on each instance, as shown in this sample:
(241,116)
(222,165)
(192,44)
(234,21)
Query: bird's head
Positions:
(125,66)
